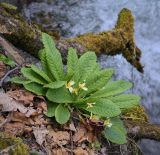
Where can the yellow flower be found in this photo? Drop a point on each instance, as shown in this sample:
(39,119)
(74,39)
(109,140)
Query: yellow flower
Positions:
(83,86)
(90,105)
(69,86)
(108,123)
(75,91)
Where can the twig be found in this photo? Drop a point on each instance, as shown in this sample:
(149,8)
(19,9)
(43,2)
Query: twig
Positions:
(7,74)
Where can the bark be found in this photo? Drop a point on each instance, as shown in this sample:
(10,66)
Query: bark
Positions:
(120,40)
(139,130)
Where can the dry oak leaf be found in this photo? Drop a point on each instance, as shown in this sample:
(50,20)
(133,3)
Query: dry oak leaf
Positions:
(16,129)
(80,151)
(41,107)
(83,134)
(9,104)
(22,95)
(40,134)
(2,119)
(40,119)
(20,117)
(59,138)
(59,151)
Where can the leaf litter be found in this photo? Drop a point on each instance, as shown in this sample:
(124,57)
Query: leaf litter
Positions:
(28,121)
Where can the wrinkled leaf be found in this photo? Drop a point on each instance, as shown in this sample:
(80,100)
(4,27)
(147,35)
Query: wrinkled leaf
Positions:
(53,57)
(19,80)
(72,60)
(125,101)
(112,88)
(55,85)
(62,114)
(116,133)
(86,64)
(60,95)
(105,108)
(35,88)
(40,73)
(32,76)
(51,107)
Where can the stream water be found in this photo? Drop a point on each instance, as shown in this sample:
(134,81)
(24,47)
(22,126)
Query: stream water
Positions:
(77,17)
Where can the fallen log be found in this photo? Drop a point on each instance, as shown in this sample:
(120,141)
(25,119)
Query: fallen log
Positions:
(139,130)
(120,40)
(138,126)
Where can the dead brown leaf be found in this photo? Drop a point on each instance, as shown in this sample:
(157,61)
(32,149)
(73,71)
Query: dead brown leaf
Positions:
(9,104)
(20,117)
(21,95)
(70,127)
(1,119)
(41,107)
(40,134)
(83,134)
(39,120)
(80,134)
(80,151)
(16,129)
(59,151)
(59,138)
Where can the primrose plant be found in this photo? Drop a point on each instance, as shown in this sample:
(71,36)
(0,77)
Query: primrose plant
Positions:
(82,87)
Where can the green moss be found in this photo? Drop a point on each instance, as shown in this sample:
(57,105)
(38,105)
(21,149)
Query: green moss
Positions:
(15,145)
(136,114)
(125,21)
(19,150)
(113,41)
(8,6)
(101,42)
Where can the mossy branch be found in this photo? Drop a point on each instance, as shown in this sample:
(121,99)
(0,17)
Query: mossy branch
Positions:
(139,130)
(119,40)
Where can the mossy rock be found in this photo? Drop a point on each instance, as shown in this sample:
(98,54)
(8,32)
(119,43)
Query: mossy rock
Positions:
(12,145)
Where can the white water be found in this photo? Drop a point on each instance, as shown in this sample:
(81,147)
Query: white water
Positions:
(78,17)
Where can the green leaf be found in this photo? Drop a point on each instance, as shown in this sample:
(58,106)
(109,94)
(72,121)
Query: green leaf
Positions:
(112,88)
(51,108)
(125,101)
(62,114)
(53,57)
(55,85)
(40,73)
(104,108)
(86,65)
(32,76)
(97,80)
(35,88)
(7,60)
(60,95)
(19,80)
(8,6)
(116,133)
(42,56)
(72,60)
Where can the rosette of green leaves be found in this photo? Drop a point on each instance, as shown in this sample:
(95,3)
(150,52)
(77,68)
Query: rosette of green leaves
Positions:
(50,81)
